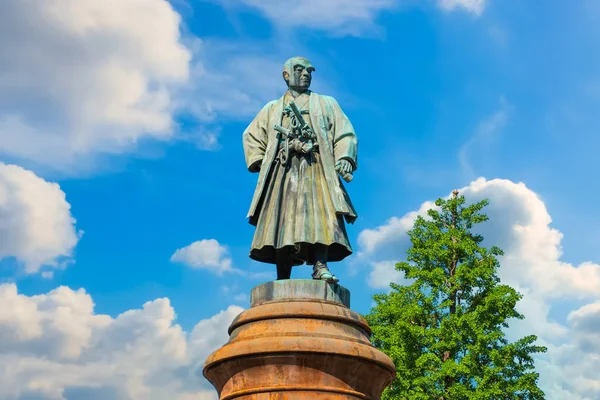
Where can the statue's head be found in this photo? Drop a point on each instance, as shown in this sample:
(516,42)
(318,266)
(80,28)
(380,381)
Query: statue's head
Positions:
(297,73)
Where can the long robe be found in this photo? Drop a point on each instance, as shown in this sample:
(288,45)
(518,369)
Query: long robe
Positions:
(304,202)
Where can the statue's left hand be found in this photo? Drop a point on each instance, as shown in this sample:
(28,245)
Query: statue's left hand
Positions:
(343,167)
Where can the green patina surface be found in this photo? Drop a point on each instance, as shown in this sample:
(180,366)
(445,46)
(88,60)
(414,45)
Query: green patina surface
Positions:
(299,289)
(300,145)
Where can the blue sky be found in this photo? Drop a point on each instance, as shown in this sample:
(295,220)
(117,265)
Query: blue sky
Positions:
(137,114)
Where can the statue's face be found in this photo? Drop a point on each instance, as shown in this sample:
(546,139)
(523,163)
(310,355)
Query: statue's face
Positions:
(300,76)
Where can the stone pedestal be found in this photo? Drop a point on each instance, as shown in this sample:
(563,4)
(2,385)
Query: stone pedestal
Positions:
(299,340)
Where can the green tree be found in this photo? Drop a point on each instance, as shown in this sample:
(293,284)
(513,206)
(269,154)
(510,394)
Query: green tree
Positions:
(444,331)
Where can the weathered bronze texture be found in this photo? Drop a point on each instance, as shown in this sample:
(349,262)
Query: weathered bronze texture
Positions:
(300,145)
(299,341)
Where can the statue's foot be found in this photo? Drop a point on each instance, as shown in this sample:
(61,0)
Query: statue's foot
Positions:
(321,272)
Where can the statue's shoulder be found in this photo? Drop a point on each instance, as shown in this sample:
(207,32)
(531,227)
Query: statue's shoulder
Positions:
(270,105)
(329,100)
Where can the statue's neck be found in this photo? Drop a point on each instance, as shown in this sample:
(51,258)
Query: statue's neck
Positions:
(296,93)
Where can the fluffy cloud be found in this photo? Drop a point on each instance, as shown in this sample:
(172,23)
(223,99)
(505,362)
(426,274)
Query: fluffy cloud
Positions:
(384,272)
(78,77)
(231,80)
(234,293)
(483,137)
(53,346)
(382,237)
(474,6)
(351,17)
(339,17)
(81,78)
(206,254)
(36,225)
(561,301)
(389,242)
(210,255)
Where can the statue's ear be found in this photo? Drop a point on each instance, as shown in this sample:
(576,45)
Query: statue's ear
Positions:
(286,76)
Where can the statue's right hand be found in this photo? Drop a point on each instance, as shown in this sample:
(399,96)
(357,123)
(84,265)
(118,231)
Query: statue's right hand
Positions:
(307,147)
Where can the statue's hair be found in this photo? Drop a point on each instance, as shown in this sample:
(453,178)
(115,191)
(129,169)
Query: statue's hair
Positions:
(289,64)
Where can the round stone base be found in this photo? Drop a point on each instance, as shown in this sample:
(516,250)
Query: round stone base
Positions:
(299,340)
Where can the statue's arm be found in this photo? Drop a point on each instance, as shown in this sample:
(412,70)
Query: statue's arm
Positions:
(345,142)
(255,140)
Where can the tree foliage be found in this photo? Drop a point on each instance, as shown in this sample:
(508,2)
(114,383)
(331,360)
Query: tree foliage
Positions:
(445,330)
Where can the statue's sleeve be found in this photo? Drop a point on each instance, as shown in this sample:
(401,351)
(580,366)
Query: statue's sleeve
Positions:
(255,140)
(345,142)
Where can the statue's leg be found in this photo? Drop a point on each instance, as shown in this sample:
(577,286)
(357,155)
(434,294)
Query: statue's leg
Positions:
(284,271)
(320,268)
(284,265)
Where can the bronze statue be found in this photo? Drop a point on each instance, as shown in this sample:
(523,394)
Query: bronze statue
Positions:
(298,145)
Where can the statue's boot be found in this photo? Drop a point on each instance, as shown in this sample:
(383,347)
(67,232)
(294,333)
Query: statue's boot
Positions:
(321,272)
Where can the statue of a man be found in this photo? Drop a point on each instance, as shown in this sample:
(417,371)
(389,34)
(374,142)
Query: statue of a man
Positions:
(298,145)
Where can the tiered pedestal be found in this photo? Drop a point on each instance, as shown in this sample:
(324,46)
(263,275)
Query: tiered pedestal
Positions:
(299,340)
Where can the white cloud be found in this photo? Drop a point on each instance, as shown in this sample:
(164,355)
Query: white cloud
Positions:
(53,346)
(390,242)
(241,298)
(338,17)
(210,255)
(232,80)
(520,224)
(209,334)
(483,136)
(473,6)
(346,17)
(229,81)
(206,254)
(561,300)
(384,272)
(36,225)
(83,78)
(78,77)
(234,293)
(391,232)
(205,139)
(587,319)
